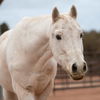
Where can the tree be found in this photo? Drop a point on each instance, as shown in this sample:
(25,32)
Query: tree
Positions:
(3,27)
(1,2)
(92,41)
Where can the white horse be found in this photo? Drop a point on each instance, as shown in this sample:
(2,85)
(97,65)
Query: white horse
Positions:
(29,54)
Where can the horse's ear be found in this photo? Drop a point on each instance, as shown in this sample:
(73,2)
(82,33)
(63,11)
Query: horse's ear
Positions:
(73,12)
(55,14)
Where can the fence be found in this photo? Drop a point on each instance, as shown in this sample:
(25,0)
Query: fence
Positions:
(92,79)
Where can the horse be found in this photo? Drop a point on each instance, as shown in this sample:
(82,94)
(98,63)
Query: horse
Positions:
(30,52)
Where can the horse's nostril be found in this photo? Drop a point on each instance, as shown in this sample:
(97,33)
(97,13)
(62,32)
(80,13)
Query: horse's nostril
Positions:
(74,68)
(84,67)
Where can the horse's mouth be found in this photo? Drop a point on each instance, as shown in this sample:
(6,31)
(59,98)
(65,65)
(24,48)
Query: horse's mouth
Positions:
(77,77)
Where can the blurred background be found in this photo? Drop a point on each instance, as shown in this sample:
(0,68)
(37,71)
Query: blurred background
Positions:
(12,11)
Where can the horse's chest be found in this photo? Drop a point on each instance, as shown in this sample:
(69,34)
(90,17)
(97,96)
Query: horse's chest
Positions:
(41,81)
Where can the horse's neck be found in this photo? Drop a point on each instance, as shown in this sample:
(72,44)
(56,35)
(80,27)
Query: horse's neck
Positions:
(33,35)
(43,26)
(41,32)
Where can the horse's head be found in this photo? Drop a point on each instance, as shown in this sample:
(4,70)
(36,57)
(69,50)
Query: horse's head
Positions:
(66,43)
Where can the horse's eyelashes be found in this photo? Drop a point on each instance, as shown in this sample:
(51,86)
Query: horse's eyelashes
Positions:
(58,37)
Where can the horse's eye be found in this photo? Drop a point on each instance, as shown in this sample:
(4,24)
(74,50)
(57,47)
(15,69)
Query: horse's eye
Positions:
(81,35)
(58,37)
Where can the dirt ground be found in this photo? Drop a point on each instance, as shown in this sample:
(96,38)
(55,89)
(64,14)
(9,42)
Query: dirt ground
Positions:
(77,94)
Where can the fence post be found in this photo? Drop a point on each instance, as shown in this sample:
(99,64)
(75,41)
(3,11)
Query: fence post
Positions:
(0,93)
